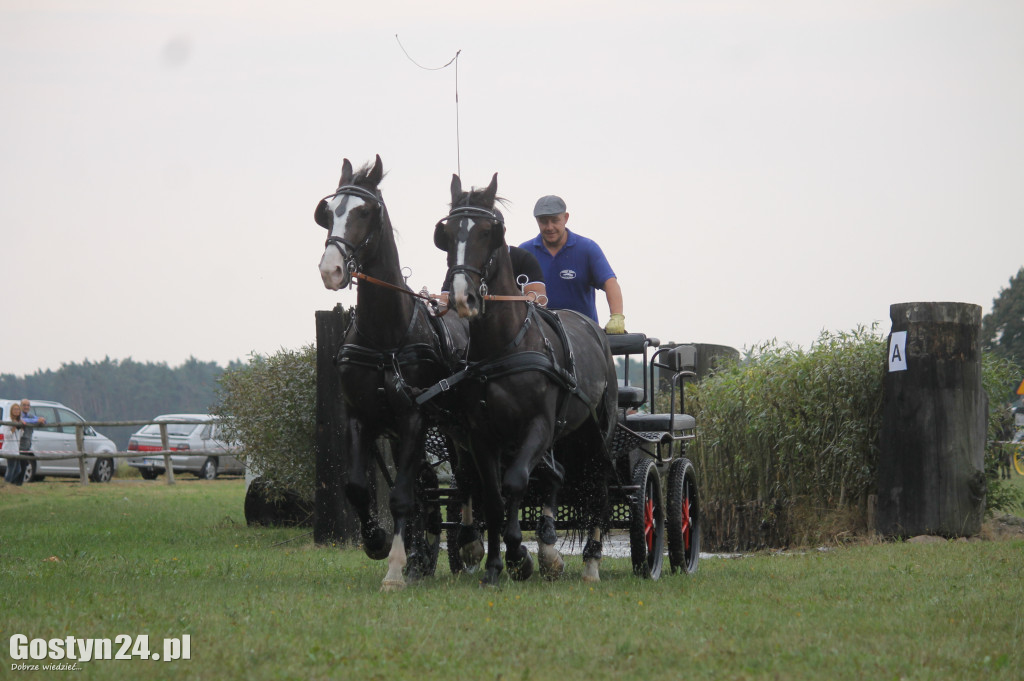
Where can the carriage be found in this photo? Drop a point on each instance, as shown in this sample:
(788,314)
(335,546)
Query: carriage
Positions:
(530,417)
(655,500)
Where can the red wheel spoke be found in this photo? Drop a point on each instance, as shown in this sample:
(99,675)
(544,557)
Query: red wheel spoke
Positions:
(649,523)
(686,523)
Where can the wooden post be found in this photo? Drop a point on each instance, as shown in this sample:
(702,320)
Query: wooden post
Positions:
(165,443)
(333,518)
(931,477)
(80,446)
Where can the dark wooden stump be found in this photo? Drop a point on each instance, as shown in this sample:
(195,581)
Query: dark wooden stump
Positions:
(931,476)
(711,357)
(333,519)
(264,506)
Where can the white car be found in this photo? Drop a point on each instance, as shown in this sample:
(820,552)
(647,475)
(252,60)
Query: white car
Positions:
(197,446)
(57,438)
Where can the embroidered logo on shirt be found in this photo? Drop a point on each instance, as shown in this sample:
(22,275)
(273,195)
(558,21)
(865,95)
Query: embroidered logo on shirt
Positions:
(567,274)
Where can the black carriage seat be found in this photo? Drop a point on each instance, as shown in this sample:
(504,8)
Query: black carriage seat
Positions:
(630,343)
(681,361)
(631,396)
(660,423)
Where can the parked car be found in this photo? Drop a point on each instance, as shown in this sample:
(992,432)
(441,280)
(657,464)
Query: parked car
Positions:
(58,437)
(197,444)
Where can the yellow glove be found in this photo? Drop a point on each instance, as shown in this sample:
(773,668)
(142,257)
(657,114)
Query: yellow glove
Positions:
(616,324)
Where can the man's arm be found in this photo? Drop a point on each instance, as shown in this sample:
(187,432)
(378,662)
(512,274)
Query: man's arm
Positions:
(613,292)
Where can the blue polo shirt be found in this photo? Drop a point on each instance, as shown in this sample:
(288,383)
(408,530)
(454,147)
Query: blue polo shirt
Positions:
(572,274)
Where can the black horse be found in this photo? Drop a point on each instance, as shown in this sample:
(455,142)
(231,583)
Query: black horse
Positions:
(538,396)
(392,349)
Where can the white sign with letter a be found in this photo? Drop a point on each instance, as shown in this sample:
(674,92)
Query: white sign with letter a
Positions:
(898,351)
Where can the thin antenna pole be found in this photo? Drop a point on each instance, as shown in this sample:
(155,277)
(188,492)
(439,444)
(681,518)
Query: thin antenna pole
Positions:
(455,60)
(458,142)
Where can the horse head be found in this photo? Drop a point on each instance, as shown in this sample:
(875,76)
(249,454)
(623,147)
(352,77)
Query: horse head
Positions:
(471,235)
(353,215)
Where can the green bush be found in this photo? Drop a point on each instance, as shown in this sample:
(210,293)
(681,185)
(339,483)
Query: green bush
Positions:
(1000,376)
(788,440)
(269,407)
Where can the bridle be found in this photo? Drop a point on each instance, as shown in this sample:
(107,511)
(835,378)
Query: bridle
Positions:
(352,264)
(495,217)
(340,242)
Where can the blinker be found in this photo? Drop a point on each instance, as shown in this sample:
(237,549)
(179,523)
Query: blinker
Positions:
(320,214)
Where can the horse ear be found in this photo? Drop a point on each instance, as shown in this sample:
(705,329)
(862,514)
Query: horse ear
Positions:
(377,173)
(346,173)
(441,237)
(456,188)
(491,191)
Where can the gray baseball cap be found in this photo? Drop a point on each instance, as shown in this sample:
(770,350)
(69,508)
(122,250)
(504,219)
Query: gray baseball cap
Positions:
(549,205)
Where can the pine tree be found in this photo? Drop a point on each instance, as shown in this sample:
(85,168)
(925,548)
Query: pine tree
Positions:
(1002,330)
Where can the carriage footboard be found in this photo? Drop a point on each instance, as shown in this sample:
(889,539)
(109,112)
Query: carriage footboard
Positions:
(641,429)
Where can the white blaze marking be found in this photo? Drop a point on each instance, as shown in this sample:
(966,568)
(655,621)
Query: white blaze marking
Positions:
(460,282)
(332,262)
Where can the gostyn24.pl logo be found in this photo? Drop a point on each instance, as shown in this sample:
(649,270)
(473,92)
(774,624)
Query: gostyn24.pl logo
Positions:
(71,650)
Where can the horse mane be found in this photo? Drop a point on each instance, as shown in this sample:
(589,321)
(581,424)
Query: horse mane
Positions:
(474,192)
(361,174)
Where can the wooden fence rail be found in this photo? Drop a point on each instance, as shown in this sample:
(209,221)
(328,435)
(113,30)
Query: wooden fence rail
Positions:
(82,455)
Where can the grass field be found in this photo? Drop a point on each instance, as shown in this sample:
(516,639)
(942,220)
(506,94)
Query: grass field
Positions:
(142,558)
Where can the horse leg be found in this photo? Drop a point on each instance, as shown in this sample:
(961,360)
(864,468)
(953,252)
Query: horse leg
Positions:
(471,546)
(535,444)
(358,492)
(403,504)
(551,563)
(468,540)
(592,556)
(494,509)
(517,556)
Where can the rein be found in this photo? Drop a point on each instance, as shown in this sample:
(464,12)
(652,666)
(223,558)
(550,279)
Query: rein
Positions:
(531,297)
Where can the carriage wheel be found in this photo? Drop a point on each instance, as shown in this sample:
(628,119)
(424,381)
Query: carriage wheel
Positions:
(647,520)
(683,517)
(1018,458)
(424,530)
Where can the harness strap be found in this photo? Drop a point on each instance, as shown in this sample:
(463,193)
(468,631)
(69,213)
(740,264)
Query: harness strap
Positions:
(357,355)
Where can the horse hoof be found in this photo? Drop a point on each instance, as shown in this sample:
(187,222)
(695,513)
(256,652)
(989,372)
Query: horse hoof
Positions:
(471,554)
(375,544)
(489,579)
(391,585)
(521,570)
(551,564)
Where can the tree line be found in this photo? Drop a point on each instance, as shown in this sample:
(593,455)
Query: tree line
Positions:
(122,390)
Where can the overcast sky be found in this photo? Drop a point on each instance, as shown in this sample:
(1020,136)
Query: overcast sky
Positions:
(753,170)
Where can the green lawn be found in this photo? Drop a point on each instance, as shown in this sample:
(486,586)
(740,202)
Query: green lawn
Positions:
(136,558)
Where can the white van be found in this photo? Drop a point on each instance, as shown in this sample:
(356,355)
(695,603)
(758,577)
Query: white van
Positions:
(57,438)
